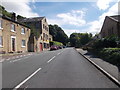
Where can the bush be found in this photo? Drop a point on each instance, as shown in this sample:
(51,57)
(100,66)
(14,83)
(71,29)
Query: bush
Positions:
(106,42)
(55,43)
(111,55)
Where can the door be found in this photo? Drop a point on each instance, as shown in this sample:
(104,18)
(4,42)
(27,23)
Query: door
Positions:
(41,48)
(13,43)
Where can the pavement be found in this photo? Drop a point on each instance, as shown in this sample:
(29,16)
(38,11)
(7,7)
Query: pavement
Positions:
(4,57)
(112,70)
(64,68)
(12,56)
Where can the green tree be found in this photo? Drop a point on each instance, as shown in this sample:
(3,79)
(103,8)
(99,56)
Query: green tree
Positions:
(79,39)
(4,12)
(58,34)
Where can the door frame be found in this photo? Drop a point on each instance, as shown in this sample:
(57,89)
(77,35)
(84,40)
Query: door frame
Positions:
(11,43)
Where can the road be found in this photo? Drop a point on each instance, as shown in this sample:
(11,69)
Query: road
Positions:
(64,68)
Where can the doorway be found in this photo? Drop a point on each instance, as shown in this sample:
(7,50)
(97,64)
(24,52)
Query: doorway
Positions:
(13,43)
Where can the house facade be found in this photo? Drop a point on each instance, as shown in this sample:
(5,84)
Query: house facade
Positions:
(14,36)
(111,26)
(50,37)
(42,29)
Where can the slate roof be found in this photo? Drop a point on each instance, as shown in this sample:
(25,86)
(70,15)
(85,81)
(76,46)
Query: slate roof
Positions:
(7,18)
(32,19)
(116,18)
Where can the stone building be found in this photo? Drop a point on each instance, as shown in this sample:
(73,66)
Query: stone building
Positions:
(14,36)
(40,26)
(111,26)
(50,37)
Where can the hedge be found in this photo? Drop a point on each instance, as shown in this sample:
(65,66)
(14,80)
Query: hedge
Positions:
(111,55)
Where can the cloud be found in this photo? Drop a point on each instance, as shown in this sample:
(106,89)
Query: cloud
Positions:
(75,18)
(70,31)
(95,26)
(104,4)
(21,7)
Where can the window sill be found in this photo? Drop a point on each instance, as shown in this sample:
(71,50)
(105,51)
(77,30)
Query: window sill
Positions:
(23,46)
(23,33)
(12,31)
(1,46)
(1,28)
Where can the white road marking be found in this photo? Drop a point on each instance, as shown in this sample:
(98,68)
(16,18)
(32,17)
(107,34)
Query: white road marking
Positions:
(26,57)
(58,53)
(19,59)
(18,86)
(15,60)
(1,60)
(51,59)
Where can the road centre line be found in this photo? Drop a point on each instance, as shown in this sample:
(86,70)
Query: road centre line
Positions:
(19,85)
(58,53)
(51,59)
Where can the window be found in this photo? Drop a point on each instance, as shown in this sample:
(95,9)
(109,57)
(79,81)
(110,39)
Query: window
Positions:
(23,43)
(22,30)
(45,20)
(43,26)
(43,36)
(1,41)
(1,24)
(49,39)
(12,27)
(46,37)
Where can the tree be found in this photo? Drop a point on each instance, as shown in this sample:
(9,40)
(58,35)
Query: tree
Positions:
(19,17)
(4,12)
(58,34)
(79,39)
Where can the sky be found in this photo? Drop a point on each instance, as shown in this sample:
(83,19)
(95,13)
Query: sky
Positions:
(72,16)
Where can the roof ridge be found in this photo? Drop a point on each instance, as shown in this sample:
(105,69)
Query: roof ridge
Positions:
(113,18)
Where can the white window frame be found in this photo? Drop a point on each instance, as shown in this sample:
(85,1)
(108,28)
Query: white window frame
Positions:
(1,45)
(22,43)
(22,29)
(14,28)
(1,24)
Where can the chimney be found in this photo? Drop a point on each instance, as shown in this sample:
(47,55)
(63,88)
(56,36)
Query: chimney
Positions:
(13,16)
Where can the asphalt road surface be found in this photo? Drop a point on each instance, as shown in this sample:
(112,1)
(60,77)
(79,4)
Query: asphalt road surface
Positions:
(64,68)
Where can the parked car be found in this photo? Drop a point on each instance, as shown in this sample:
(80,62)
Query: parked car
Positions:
(53,47)
(64,46)
(59,47)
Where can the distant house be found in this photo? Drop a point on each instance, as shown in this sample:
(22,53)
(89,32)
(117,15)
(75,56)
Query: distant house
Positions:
(111,26)
(14,36)
(50,37)
(40,26)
